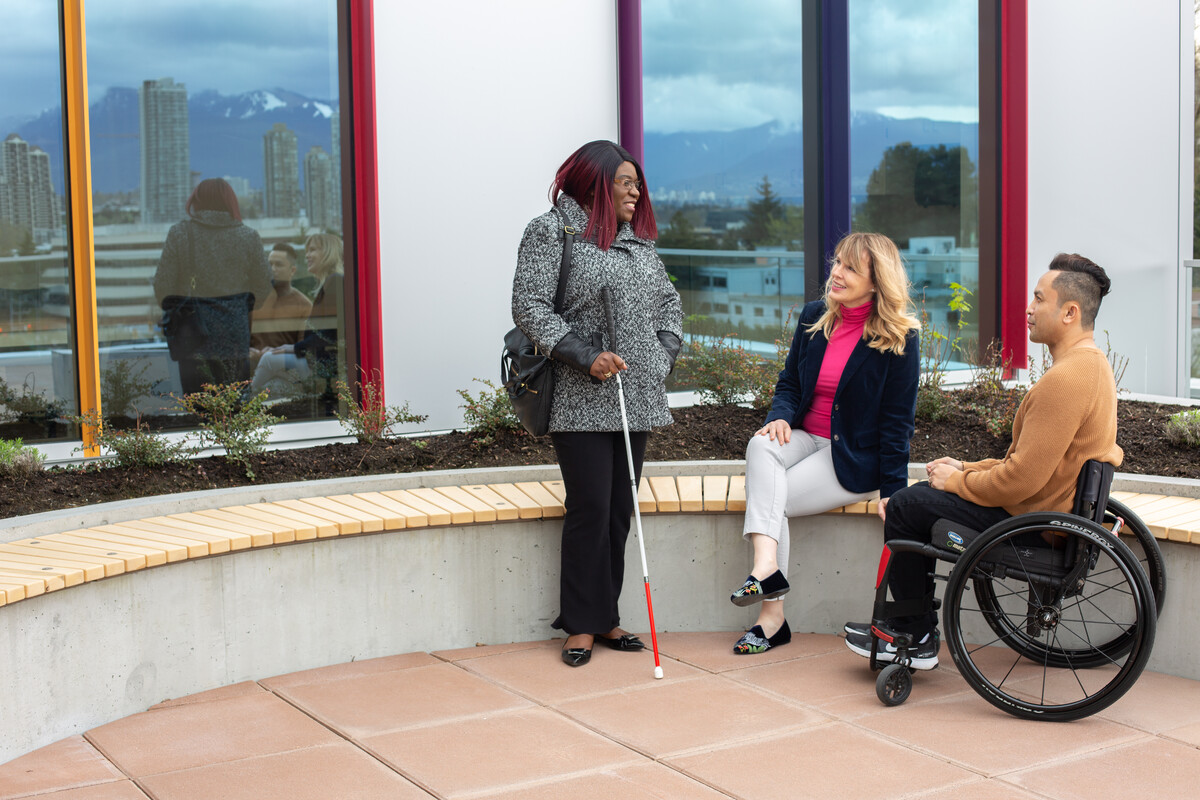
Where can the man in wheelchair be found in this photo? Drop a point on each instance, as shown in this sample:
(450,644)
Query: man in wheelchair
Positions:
(1066,419)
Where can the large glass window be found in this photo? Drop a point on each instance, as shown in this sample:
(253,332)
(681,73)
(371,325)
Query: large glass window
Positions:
(724,159)
(217,198)
(1193,267)
(37,385)
(914,146)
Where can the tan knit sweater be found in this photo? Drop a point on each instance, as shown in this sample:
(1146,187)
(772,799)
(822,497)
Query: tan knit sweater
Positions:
(1068,417)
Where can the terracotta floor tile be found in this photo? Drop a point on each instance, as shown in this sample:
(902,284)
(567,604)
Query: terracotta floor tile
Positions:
(704,712)
(1188,734)
(1149,768)
(981,789)
(390,701)
(122,790)
(62,765)
(714,651)
(352,669)
(223,693)
(641,782)
(971,732)
(541,675)
(498,752)
(192,735)
(339,771)
(822,763)
(482,650)
(1157,703)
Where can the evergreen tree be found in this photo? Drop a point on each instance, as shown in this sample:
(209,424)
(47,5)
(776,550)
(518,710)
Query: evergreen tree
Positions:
(760,214)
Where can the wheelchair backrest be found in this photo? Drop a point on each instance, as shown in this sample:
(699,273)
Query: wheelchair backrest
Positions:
(1091,490)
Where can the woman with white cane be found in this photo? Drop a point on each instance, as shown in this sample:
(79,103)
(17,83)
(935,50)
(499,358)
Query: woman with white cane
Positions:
(599,192)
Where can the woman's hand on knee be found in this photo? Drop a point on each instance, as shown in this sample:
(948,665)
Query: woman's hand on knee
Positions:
(777,430)
(882,508)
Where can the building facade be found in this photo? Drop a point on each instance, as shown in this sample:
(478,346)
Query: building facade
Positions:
(281,164)
(164,141)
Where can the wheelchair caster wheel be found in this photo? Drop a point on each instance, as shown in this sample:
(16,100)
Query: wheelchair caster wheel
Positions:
(894,684)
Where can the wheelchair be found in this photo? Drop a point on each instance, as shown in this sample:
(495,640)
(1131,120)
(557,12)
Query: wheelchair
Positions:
(1048,615)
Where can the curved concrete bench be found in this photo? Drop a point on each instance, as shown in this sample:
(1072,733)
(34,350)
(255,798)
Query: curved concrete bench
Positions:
(109,610)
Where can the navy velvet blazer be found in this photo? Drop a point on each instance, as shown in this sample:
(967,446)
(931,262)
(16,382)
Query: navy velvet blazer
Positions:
(872,418)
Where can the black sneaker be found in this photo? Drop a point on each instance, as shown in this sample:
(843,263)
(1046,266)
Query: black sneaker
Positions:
(923,656)
(864,629)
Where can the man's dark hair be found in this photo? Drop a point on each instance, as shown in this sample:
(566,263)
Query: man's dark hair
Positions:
(286,249)
(1080,280)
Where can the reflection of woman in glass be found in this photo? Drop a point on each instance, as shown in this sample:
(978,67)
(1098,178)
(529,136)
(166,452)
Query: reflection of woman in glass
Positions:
(212,256)
(840,422)
(317,350)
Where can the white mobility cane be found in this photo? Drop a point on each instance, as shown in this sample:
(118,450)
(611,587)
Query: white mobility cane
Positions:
(606,298)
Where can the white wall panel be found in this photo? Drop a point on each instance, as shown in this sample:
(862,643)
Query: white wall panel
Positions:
(1105,169)
(478,104)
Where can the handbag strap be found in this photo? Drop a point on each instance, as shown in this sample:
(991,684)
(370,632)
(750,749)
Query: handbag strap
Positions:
(569,234)
(187,233)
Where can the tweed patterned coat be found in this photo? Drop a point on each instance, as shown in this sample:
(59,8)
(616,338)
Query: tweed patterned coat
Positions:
(644,302)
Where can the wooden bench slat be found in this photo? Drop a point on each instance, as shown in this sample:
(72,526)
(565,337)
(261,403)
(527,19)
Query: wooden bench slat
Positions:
(33,586)
(557,489)
(389,519)
(503,509)
(526,506)
(368,522)
(412,517)
(480,510)
(94,566)
(1123,496)
(716,489)
(691,493)
(551,506)
(857,508)
(646,502)
(265,533)
(437,515)
(459,514)
(323,526)
(1154,507)
(737,493)
(196,545)
(173,550)
(218,540)
(13,591)
(666,496)
(133,561)
(300,531)
(344,523)
(72,576)
(92,569)
(240,537)
(1187,508)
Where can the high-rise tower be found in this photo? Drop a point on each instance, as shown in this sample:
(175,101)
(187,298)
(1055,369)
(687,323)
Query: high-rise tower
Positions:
(318,188)
(281,164)
(166,173)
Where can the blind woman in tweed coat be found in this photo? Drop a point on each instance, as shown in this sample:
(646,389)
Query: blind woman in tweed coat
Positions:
(601,192)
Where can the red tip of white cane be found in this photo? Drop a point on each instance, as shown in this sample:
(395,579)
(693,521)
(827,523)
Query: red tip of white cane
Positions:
(658,673)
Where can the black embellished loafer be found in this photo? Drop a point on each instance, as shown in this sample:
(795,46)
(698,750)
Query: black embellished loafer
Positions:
(576,656)
(755,641)
(754,590)
(626,641)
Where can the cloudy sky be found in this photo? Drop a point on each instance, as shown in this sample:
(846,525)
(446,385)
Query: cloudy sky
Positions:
(728,64)
(227,45)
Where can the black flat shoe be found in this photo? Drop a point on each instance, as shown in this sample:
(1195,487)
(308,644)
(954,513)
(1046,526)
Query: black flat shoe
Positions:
(755,641)
(576,656)
(754,590)
(626,641)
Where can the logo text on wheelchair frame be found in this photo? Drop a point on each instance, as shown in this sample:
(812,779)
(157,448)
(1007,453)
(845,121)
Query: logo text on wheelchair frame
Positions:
(954,537)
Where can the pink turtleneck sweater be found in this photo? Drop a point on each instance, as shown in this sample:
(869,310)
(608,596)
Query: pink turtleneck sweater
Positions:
(841,345)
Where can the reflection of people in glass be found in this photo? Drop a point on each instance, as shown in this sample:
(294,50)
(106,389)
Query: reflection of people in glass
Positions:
(317,349)
(219,263)
(281,319)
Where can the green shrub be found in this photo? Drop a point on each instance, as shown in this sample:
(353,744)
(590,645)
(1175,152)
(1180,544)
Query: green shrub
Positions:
(19,461)
(28,404)
(138,446)
(230,421)
(1183,428)
(932,403)
(370,420)
(121,385)
(490,413)
(723,371)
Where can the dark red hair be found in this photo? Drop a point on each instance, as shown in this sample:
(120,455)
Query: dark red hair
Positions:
(214,194)
(587,176)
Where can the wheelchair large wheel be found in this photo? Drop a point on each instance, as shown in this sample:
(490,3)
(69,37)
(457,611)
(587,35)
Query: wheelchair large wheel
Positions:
(1061,609)
(1105,646)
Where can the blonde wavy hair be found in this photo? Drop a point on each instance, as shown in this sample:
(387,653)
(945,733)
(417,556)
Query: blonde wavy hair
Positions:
(892,316)
(330,262)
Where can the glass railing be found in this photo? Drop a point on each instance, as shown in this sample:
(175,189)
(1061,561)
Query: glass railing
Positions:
(1192,326)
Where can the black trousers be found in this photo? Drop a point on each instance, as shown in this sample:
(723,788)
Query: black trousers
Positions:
(195,372)
(599,506)
(911,514)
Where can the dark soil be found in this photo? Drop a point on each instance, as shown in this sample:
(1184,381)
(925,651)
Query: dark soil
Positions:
(699,433)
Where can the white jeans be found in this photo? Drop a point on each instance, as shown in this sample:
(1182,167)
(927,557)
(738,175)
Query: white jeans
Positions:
(277,365)
(790,480)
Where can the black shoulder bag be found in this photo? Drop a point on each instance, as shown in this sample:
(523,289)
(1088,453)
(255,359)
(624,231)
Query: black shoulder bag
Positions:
(526,372)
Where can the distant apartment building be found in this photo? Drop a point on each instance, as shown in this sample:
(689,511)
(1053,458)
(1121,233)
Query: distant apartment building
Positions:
(335,131)
(166,174)
(281,164)
(319,189)
(27,198)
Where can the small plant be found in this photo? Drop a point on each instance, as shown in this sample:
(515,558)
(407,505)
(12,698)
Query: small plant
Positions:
(371,420)
(490,413)
(762,394)
(1183,428)
(1117,361)
(230,421)
(936,351)
(19,461)
(28,404)
(723,371)
(135,447)
(121,386)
